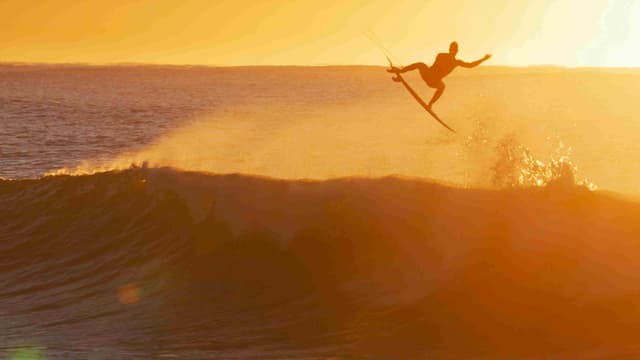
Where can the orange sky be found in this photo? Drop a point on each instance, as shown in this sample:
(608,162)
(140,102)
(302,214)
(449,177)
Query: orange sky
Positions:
(265,32)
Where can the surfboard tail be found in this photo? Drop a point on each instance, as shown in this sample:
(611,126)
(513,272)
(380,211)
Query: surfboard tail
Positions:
(399,78)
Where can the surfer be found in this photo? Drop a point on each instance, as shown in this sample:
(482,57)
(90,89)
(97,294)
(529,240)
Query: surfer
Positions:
(444,64)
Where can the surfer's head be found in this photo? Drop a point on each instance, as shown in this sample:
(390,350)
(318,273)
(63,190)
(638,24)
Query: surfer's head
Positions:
(453,48)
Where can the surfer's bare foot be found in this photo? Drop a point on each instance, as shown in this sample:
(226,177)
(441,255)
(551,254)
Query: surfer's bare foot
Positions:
(396,79)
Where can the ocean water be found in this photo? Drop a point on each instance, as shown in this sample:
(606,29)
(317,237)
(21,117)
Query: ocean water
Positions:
(317,213)
(317,123)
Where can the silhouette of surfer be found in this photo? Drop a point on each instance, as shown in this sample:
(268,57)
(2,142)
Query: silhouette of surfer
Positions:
(443,66)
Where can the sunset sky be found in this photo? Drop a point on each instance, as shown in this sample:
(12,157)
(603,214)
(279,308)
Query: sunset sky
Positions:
(314,32)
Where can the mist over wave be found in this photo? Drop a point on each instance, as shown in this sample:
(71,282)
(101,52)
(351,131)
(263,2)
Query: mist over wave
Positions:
(320,122)
(349,145)
(158,262)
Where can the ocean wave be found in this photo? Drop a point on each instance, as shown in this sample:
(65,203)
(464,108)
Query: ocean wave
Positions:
(159,261)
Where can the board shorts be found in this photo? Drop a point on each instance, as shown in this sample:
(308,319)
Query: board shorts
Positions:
(429,78)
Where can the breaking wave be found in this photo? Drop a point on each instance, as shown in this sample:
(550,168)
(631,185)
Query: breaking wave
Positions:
(159,262)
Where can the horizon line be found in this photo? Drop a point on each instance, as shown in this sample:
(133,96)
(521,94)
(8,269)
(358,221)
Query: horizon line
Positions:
(125,64)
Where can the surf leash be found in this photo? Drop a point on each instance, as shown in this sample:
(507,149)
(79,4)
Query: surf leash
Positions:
(374,39)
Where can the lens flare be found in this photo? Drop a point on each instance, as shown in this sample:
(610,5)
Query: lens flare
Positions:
(129,294)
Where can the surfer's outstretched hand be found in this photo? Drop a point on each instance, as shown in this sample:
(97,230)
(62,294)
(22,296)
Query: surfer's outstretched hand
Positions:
(487,57)
(394,70)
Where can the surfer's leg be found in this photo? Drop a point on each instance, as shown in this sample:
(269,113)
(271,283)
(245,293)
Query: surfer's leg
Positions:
(422,67)
(439,90)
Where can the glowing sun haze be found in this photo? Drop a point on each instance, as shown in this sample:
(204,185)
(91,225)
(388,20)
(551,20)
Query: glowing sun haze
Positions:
(312,32)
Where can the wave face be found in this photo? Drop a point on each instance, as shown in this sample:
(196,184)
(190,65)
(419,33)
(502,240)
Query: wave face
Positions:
(147,263)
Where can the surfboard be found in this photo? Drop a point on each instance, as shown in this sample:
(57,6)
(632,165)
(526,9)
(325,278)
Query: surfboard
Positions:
(400,79)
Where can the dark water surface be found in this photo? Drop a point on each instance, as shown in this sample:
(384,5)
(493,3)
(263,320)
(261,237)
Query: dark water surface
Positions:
(153,263)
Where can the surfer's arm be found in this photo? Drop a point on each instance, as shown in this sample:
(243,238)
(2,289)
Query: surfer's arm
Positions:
(475,63)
